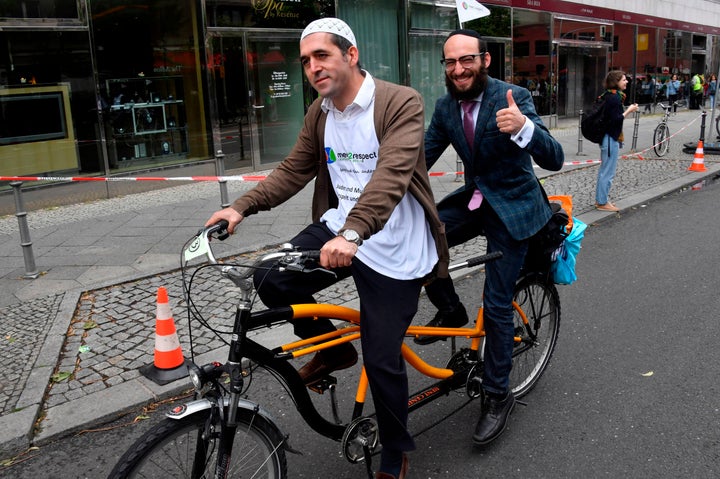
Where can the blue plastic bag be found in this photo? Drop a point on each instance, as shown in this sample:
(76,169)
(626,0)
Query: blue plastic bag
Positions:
(563,267)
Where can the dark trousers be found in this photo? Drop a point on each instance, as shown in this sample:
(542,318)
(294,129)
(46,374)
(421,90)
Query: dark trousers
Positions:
(501,275)
(387,307)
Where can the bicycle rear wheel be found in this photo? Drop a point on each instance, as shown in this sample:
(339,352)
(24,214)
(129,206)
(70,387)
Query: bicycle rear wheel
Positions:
(661,139)
(540,304)
(187,448)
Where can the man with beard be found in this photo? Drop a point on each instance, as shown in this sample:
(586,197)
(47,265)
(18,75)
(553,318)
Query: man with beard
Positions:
(494,128)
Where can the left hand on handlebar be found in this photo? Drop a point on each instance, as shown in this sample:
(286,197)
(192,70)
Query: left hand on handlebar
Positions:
(228,214)
(337,253)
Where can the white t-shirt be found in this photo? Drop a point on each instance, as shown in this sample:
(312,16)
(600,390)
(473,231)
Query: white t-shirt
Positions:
(404,248)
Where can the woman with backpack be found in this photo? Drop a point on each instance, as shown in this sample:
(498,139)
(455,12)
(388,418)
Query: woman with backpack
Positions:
(615,84)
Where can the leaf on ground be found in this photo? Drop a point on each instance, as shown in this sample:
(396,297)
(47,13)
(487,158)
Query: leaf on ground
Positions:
(89,324)
(61,376)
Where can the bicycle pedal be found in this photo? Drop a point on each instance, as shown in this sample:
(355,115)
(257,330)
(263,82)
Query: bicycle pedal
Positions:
(323,384)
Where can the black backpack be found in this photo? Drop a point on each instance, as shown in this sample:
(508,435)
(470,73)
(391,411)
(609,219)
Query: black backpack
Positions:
(594,125)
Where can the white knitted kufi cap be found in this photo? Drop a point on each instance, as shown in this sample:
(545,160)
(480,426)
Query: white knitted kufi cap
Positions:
(330,25)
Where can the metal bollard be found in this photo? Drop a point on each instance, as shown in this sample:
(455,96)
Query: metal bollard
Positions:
(31,271)
(580,137)
(702,126)
(220,171)
(458,169)
(636,129)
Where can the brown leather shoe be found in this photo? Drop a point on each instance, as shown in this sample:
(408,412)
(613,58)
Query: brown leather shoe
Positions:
(326,361)
(403,471)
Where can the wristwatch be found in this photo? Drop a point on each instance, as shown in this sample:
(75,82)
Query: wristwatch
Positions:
(352,236)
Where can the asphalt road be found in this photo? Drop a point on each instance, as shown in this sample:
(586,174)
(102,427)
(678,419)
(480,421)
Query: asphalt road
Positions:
(631,391)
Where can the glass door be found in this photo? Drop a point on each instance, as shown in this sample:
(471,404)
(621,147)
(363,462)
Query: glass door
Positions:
(276,95)
(581,72)
(261,96)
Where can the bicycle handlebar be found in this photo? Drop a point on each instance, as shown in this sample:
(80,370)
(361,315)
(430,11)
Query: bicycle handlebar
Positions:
(486,258)
(288,258)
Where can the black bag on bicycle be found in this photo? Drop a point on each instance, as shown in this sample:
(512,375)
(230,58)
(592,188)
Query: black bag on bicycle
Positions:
(594,124)
(545,242)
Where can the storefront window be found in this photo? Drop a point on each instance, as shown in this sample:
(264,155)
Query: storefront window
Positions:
(431,16)
(375,25)
(148,71)
(48,120)
(497,24)
(426,73)
(55,9)
(531,56)
(430,25)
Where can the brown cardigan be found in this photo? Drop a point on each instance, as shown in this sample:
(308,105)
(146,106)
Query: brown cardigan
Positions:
(399,123)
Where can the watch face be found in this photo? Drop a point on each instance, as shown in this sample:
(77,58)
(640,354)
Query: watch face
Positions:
(352,236)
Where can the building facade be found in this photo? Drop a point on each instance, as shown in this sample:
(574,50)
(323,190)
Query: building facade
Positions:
(107,87)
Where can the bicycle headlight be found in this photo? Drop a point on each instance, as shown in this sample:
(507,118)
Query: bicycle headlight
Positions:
(196,376)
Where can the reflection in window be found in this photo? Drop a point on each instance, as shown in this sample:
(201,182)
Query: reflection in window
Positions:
(531,58)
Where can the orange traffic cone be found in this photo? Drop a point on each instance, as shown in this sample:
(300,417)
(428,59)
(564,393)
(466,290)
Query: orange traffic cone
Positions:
(698,163)
(169,364)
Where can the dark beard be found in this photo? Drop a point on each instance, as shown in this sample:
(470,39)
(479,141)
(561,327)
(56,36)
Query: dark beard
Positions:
(478,86)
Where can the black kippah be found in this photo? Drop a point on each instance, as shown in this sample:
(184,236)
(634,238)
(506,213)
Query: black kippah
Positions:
(467,32)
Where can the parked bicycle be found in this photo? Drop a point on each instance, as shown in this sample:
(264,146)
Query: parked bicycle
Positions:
(661,136)
(222,433)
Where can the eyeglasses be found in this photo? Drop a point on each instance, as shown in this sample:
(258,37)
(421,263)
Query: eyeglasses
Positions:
(466,61)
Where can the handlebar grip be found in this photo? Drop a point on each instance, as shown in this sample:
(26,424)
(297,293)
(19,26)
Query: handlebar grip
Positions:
(314,254)
(221,229)
(484,258)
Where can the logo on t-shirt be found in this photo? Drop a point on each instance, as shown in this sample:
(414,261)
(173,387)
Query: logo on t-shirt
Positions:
(330,155)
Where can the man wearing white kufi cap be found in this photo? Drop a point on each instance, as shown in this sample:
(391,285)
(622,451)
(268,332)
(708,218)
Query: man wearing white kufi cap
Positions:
(374,218)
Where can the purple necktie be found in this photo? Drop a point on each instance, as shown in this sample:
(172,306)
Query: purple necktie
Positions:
(469,129)
(468,122)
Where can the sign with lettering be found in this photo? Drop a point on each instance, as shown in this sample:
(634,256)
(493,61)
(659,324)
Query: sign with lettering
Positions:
(267,13)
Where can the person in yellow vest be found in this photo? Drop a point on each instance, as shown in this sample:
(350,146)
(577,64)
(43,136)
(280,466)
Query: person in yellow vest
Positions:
(696,85)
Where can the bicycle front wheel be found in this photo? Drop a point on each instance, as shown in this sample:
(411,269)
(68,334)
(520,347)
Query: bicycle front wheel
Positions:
(537,322)
(188,448)
(661,139)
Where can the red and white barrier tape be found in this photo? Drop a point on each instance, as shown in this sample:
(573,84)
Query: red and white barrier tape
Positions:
(127,178)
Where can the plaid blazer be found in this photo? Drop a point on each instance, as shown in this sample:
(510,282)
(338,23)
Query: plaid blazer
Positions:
(499,167)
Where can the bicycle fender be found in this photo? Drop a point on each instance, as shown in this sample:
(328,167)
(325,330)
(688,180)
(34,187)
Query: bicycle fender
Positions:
(183,410)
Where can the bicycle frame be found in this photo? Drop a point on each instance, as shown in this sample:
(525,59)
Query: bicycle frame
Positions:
(277,359)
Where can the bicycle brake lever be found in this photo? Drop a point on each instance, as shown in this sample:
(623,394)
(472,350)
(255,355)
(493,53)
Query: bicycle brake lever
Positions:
(302,269)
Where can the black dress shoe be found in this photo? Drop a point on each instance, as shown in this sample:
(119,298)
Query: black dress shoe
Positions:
(403,471)
(456,318)
(326,361)
(493,419)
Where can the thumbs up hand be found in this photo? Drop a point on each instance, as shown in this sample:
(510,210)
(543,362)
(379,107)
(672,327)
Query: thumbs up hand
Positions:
(510,120)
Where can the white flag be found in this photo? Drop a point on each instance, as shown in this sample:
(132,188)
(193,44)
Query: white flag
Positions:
(470,10)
